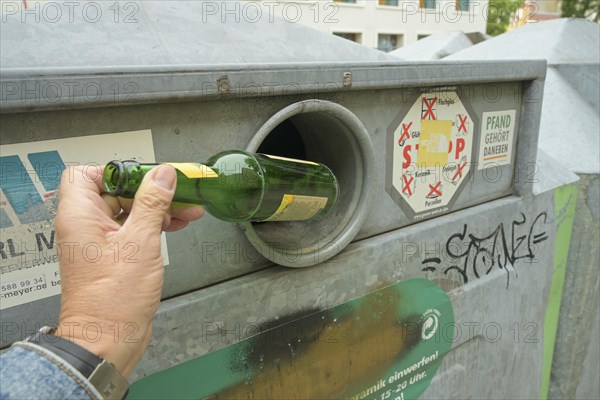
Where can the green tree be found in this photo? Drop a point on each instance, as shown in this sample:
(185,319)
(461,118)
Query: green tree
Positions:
(500,13)
(581,9)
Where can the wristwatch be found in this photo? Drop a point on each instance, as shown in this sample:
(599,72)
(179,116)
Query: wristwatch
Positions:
(100,373)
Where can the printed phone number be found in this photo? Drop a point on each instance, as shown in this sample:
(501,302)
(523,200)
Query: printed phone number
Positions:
(23,286)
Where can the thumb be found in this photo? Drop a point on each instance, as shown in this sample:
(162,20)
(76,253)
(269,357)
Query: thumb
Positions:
(153,199)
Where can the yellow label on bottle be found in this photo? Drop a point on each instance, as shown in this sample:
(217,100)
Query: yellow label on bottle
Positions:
(298,208)
(291,159)
(195,170)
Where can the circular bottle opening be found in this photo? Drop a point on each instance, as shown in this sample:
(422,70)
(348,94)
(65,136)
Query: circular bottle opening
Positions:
(113,178)
(330,134)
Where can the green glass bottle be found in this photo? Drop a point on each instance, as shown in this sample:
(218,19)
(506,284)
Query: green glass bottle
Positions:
(240,186)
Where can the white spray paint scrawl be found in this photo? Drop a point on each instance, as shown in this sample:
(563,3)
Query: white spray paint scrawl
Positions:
(29,177)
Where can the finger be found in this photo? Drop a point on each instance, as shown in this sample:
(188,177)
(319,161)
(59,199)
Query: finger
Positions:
(86,176)
(81,178)
(122,217)
(79,191)
(152,200)
(176,224)
(126,204)
(166,221)
(113,204)
(186,212)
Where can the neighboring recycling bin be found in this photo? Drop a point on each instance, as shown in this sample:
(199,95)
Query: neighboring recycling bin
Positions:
(569,133)
(435,47)
(439,255)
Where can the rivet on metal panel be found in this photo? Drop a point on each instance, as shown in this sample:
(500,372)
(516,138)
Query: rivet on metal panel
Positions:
(347,79)
(223,84)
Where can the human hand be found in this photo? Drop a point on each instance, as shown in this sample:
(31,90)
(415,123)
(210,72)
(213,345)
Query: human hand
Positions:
(110,262)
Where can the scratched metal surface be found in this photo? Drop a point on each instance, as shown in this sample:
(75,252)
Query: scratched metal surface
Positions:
(178,96)
(480,365)
(576,350)
(196,130)
(388,249)
(581,296)
(571,104)
(499,316)
(578,102)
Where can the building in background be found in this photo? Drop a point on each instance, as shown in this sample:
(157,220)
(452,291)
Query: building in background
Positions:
(384,24)
(535,11)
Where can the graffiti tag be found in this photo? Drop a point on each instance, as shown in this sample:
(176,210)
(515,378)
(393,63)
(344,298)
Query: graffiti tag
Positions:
(470,255)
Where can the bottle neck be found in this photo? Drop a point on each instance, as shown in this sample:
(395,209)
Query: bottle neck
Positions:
(123,178)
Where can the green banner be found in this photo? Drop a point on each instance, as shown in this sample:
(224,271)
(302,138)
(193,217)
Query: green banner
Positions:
(386,345)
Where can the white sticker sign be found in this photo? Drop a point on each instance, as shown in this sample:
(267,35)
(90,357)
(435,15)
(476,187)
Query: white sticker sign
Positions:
(29,177)
(496,143)
(432,152)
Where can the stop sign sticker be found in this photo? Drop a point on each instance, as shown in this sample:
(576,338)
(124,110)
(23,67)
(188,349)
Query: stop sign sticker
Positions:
(432,152)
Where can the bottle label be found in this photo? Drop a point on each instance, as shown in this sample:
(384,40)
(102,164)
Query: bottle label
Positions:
(298,208)
(291,159)
(194,170)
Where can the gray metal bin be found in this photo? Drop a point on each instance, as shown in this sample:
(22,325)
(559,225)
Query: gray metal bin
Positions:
(186,87)
(569,133)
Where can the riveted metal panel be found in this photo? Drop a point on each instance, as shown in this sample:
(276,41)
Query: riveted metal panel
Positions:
(501,288)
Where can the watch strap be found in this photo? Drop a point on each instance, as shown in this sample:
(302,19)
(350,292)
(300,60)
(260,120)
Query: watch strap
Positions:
(81,359)
(100,373)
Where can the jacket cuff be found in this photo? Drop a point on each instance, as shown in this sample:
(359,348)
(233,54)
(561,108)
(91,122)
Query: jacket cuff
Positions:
(28,369)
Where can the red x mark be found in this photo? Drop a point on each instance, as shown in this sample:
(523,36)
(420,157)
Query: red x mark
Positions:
(407,185)
(434,189)
(462,124)
(459,172)
(405,134)
(429,106)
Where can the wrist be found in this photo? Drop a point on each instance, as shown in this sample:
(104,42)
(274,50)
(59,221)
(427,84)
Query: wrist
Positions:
(100,376)
(121,344)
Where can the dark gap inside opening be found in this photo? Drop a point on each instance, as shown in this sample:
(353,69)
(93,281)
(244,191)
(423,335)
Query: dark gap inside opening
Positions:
(284,141)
